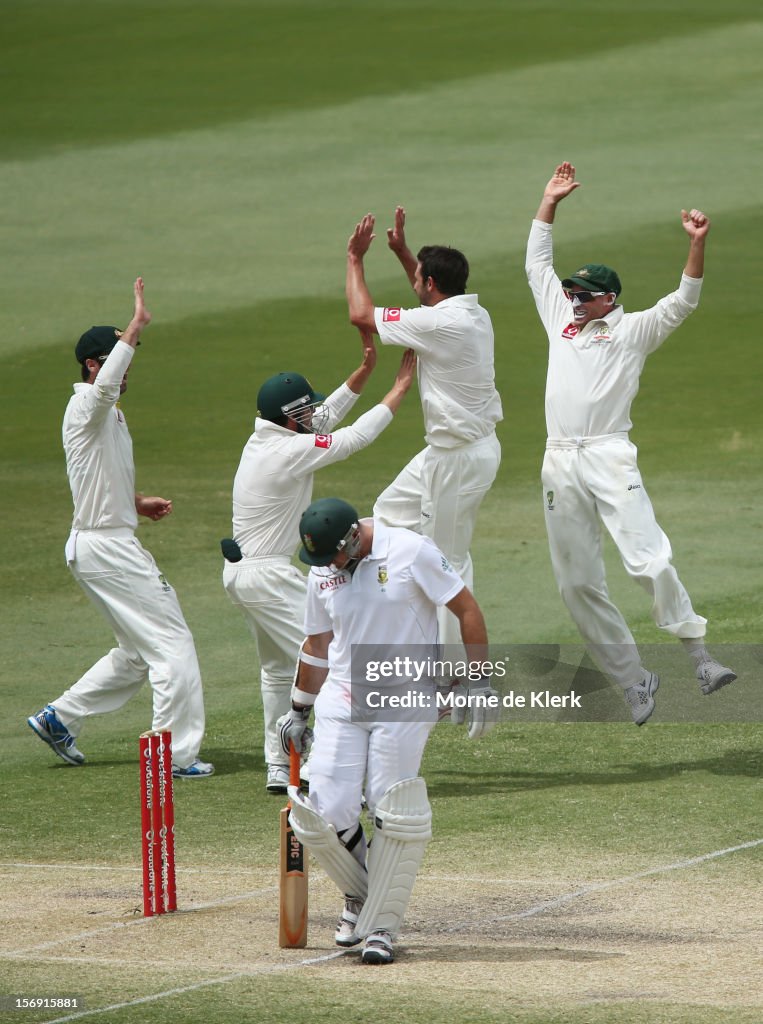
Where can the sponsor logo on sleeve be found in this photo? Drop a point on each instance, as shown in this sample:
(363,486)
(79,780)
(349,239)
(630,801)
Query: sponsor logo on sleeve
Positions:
(570,331)
(323,440)
(391,315)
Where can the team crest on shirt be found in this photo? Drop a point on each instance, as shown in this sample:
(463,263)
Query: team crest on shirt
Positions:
(391,314)
(323,440)
(570,331)
(550,500)
(382,576)
(309,543)
(601,337)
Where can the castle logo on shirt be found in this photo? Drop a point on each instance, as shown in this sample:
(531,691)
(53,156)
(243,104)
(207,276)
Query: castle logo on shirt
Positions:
(570,331)
(332,582)
(391,315)
(323,440)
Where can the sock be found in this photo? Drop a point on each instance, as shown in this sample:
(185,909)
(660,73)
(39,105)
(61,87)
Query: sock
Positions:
(696,650)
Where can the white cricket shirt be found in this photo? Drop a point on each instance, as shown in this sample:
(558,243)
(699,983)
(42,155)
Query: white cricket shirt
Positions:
(454,344)
(274,482)
(593,371)
(391,598)
(98,447)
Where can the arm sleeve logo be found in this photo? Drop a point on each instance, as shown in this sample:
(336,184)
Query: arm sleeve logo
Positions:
(323,440)
(391,315)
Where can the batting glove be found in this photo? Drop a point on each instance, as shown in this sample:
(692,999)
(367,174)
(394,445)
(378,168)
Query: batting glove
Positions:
(482,710)
(293,728)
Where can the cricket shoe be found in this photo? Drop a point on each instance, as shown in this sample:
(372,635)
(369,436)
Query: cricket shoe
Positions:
(378,949)
(712,675)
(641,697)
(278,778)
(345,928)
(197,769)
(52,731)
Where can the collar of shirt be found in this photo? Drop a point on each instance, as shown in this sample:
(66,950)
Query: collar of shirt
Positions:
(380,545)
(458,300)
(266,428)
(610,319)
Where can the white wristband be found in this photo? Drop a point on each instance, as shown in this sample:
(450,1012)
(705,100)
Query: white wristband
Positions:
(309,659)
(301,697)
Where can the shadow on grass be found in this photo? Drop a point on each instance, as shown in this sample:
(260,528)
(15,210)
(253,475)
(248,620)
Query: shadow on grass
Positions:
(745,763)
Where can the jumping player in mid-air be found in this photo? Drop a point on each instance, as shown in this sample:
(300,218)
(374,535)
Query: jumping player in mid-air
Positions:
(596,355)
(440,491)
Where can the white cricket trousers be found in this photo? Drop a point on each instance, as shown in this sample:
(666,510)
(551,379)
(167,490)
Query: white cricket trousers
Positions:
(438,494)
(271,593)
(124,583)
(351,759)
(590,479)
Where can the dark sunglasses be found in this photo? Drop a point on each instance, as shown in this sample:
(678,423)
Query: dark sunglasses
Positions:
(583,296)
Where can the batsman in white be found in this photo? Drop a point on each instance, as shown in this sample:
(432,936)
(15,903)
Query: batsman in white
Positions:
(118,575)
(273,485)
(590,472)
(371,584)
(440,491)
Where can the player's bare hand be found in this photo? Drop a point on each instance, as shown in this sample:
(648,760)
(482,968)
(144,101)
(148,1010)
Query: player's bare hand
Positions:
(396,234)
(141,316)
(407,370)
(561,183)
(361,238)
(152,507)
(369,348)
(696,223)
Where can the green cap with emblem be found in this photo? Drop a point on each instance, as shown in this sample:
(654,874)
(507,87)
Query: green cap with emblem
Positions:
(323,527)
(594,277)
(98,341)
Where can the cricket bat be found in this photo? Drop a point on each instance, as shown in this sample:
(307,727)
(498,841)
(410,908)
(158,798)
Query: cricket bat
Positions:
(292,907)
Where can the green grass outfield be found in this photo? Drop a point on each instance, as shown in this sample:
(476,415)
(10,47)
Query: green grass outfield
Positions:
(579,874)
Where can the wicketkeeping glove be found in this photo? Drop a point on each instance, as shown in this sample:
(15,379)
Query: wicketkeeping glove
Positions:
(293,728)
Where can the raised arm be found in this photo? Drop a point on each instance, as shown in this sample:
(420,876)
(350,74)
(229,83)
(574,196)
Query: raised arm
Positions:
(397,243)
(696,225)
(561,183)
(357,380)
(140,318)
(359,299)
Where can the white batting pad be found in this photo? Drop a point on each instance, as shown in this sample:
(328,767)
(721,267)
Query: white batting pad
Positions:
(321,840)
(402,829)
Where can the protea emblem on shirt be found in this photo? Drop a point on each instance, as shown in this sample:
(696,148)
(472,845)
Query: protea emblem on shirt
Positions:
(550,500)
(307,540)
(382,576)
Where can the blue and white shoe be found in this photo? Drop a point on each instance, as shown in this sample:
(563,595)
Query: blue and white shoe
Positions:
(52,731)
(198,769)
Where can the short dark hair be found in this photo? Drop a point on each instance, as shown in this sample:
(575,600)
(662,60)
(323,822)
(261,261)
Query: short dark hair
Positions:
(448,268)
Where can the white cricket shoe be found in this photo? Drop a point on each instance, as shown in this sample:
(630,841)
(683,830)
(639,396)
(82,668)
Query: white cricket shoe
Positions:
(378,949)
(712,675)
(641,697)
(345,928)
(278,778)
(198,769)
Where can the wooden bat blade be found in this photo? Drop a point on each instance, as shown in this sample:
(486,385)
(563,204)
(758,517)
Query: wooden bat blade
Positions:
(292,911)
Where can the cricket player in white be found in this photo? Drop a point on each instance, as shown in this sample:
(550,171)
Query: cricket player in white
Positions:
(117,574)
(273,485)
(590,472)
(370,585)
(440,491)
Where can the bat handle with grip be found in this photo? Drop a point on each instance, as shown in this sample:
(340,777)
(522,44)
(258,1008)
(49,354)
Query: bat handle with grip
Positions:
(294,765)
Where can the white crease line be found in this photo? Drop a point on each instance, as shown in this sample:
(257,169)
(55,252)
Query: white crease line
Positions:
(560,901)
(239,898)
(531,911)
(265,969)
(117,868)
